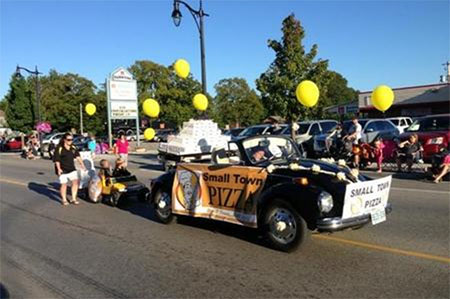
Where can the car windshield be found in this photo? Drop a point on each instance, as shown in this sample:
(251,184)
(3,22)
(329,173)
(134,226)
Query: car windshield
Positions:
(328,126)
(250,131)
(427,124)
(270,148)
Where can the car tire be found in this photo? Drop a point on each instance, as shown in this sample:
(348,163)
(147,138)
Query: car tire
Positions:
(162,204)
(283,227)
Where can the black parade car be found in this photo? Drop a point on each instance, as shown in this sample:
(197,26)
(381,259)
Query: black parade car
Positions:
(263,182)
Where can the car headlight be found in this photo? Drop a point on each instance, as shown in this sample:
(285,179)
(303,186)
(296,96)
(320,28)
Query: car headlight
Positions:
(325,202)
(437,140)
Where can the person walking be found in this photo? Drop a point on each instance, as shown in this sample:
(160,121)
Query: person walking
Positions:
(121,148)
(64,156)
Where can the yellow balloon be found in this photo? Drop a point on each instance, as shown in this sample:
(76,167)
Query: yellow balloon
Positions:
(149,134)
(151,108)
(90,109)
(307,93)
(182,68)
(200,102)
(382,97)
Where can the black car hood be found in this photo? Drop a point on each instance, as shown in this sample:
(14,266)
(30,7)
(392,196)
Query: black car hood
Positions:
(323,165)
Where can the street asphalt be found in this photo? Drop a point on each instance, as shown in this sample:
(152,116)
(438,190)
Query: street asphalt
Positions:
(93,250)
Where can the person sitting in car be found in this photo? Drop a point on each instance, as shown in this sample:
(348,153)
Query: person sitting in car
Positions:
(120,169)
(409,151)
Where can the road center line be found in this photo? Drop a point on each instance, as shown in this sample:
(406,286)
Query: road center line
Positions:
(385,249)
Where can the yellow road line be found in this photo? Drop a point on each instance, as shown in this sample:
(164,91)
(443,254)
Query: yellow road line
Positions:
(336,239)
(385,249)
(13,182)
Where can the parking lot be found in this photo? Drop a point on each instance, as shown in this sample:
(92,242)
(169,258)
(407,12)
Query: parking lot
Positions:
(94,250)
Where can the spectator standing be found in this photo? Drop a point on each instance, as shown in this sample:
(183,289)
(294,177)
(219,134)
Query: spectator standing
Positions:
(121,148)
(92,145)
(64,156)
(355,136)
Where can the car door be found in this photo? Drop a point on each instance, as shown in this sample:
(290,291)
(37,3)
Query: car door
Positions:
(370,132)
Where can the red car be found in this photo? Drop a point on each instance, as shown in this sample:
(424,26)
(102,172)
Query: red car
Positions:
(433,132)
(13,144)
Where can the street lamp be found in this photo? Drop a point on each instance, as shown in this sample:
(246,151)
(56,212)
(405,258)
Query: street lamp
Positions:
(198,18)
(38,98)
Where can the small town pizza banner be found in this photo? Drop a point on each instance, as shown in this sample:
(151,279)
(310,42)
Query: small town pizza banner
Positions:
(368,197)
(221,193)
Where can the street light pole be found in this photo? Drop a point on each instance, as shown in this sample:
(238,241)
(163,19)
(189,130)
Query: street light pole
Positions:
(36,73)
(198,18)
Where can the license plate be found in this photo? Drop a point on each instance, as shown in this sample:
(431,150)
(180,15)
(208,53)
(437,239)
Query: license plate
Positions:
(378,216)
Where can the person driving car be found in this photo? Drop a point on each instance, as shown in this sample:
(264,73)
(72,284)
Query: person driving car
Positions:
(258,154)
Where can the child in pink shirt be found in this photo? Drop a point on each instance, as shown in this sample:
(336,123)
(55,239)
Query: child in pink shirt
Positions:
(121,148)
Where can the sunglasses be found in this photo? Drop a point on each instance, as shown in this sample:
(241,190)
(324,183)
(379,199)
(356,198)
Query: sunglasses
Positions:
(69,139)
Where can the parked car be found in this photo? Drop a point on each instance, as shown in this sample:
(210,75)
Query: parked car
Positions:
(14,143)
(264,129)
(50,138)
(163,134)
(233,132)
(308,130)
(262,182)
(433,132)
(81,142)
(402,123)
(373,128)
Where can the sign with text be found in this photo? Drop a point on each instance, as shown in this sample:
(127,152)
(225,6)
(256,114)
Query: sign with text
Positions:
(227,194)
(122,95)
(123,109)
(368,197)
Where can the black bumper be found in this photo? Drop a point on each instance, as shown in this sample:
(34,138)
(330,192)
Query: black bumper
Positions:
(337,223)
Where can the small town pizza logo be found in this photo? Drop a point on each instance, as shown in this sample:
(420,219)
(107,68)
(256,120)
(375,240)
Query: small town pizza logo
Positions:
(188,189)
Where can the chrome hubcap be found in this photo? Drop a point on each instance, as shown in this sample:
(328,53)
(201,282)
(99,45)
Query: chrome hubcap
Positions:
(282,225)
(164,204)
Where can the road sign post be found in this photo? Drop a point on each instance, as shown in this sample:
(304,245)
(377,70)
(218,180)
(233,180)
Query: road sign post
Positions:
(122,99)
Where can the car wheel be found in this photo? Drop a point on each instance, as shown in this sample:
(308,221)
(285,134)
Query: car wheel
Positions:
(163,206)
(283,227)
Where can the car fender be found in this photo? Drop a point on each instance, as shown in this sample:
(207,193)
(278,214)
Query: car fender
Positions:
(164,181)
(303,198)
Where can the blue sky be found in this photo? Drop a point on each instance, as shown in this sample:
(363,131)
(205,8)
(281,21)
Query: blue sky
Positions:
(399,43)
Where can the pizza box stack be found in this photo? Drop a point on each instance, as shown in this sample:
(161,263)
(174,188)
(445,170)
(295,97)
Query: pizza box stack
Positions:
(196,137)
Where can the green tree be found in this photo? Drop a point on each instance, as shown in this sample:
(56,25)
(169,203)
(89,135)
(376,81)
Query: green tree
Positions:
(172,93)
(19,105)
(292,64)
(338,91)
(236,103)
(61,96)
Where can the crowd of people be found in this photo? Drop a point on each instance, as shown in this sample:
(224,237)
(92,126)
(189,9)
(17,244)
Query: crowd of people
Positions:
(406,152)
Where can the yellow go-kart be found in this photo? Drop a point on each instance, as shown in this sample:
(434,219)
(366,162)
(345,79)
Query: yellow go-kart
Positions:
(114,190)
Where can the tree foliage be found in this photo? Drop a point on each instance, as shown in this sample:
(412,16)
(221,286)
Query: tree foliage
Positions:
(292,65)
(61,96)
(236,103)
(19,103)
(172,93)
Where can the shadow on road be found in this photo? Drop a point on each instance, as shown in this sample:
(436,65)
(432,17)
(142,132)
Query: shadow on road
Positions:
(134,206)
(4,294)
(243,233)
(46,190)
(147,166)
